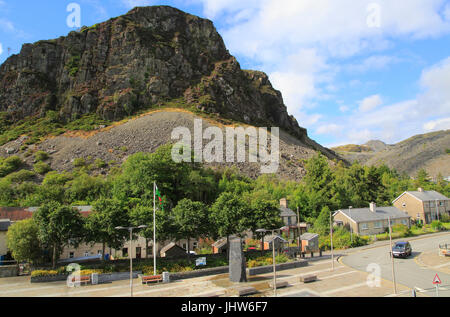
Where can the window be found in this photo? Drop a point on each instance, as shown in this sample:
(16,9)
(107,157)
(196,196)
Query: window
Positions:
(99,252)
(378,225)
(405,222)
(195,245)
(185,246)
(71,255)
(86,253)
(404,205)
(364,226)
(125,252)
(441,203)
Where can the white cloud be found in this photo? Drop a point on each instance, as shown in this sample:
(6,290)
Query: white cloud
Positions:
(329,129)
(376,62)
(370,103)
(136,3)
(435,81)
(437,125)
(1,49)
(301,44)
(429,112)
(344,108)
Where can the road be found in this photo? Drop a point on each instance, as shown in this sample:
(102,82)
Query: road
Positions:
(408,272)
(348,279)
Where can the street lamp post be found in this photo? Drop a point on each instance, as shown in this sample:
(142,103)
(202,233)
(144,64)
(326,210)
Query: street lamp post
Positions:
(351,227)
(331,240)
(273,256)
(130,230)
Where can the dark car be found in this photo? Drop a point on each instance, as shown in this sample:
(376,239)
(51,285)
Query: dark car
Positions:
(402,249)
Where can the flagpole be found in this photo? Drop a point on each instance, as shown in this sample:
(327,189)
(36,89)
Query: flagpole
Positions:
(154,228)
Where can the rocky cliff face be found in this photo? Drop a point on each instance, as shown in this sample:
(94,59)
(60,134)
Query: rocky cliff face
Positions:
(146,57)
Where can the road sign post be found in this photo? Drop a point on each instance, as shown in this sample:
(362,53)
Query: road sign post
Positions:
(437,282)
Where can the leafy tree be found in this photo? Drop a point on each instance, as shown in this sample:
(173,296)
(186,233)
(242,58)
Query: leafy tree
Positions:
(23,242)
(141,170)
(264,212)
(322,223)
(230,215)
(101,224)
(86,189)
(422,179)
(190,220)
(59,226)
(143,215)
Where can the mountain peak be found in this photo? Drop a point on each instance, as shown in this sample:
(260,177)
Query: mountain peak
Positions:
(142,60)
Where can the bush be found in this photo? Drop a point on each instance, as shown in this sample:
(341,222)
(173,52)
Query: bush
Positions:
(79,162)
(41,156)
(38,273)
(42,168)
(401,229)
(20,176)
(99,163)
(9,165)
(445,218)
(436,225)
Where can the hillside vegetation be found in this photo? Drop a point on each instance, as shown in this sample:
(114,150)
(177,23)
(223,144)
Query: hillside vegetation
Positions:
(426,151)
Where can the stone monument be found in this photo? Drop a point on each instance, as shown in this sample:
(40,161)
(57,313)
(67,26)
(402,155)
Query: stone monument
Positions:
(238,265)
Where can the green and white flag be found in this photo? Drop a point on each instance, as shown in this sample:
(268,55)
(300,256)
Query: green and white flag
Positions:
(159,197)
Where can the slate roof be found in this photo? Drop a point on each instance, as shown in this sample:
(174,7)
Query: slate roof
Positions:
(270,238)
(365,215)
(170,246)
(427,195)
(220,243)
(308,236)
(286,212)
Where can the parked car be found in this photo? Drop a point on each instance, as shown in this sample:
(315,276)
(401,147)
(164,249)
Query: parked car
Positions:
(402,249)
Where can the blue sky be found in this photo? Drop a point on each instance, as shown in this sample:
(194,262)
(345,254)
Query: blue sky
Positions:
(348,72)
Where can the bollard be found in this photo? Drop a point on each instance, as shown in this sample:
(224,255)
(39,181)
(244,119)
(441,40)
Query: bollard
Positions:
(414,293)
(166,277)
(94,278)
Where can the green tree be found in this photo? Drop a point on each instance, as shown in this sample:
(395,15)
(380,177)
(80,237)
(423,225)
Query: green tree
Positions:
(59,226)
(322,223)
(23,242)
(100,226)
(230,215)
(190,220)
(143,215)
(264,212)
(141,170)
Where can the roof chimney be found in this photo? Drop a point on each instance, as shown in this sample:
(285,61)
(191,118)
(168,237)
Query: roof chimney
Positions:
(284,202)
(421,189)
(373,207)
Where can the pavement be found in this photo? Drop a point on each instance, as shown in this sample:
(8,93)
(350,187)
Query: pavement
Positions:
(350,277)
(340,282)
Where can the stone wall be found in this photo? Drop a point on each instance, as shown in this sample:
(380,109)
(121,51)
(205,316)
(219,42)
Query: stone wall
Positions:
(280,267)
(9,271)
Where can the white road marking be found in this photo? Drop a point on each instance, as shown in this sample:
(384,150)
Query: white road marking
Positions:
(440,266)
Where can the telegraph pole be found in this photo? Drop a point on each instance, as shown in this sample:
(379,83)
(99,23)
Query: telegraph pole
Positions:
(392,256)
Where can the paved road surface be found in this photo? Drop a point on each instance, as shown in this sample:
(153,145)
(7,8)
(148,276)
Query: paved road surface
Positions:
(407,271)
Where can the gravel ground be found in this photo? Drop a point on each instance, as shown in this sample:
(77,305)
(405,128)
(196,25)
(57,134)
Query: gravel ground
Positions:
(146,134)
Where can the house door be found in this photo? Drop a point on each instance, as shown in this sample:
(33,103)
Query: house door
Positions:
(138,252)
